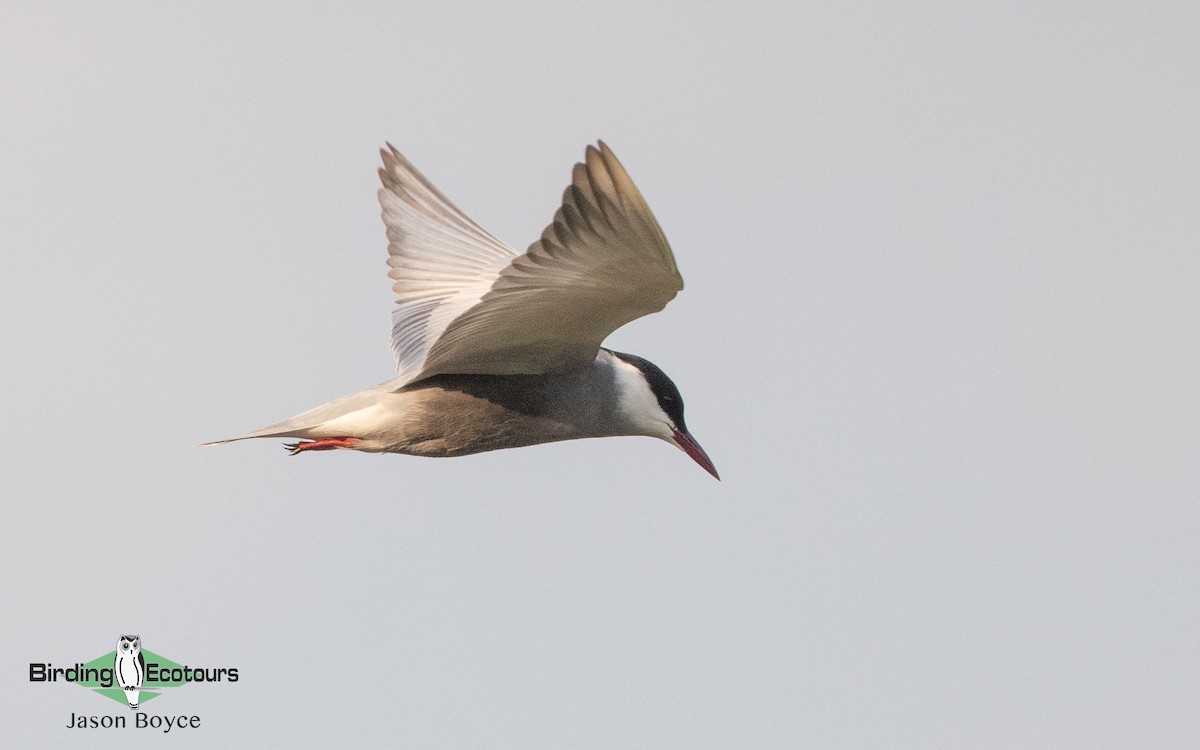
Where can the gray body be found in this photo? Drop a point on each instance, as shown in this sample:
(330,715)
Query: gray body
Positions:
(456,415)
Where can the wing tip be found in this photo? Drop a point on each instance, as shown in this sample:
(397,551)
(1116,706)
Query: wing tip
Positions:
(606,156)
(391,160)
(390,153)
(399,175)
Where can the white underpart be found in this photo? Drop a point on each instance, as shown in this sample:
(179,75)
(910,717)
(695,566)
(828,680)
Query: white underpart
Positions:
(362,423)
(637,403)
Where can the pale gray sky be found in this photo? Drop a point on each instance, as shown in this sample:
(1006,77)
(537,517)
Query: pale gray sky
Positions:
(940,335)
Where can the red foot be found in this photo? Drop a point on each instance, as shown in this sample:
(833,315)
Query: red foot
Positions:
(326,444)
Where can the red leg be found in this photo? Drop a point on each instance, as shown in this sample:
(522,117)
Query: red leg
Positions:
(325,444)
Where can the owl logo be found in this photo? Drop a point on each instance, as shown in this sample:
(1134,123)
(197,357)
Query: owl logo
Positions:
(130,668)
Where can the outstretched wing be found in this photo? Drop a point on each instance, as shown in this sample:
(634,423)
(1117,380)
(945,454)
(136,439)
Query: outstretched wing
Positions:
(442,263)
(467,303)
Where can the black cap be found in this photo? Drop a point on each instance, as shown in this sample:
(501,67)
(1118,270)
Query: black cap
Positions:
(661,386)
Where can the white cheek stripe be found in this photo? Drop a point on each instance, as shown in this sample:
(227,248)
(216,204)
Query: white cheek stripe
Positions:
(637,402)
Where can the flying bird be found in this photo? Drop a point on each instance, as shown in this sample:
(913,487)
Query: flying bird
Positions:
(499,349)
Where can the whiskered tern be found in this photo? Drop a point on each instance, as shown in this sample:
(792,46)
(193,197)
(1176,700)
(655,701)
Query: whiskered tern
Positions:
(498,349)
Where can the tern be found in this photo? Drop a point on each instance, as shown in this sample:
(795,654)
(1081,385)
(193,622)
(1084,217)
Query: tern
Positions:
(499,349)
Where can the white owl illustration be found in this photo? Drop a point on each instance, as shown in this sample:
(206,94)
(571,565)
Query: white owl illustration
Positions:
(130,667)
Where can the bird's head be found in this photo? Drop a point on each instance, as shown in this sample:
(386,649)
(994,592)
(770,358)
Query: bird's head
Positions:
(651,403)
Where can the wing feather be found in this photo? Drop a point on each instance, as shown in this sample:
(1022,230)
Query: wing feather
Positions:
(467,303)
(440,261)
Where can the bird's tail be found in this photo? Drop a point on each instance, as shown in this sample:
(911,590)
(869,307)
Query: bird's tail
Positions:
(282,429)
(301,425)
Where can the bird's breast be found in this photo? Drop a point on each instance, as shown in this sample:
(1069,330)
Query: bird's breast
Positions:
(455,415)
